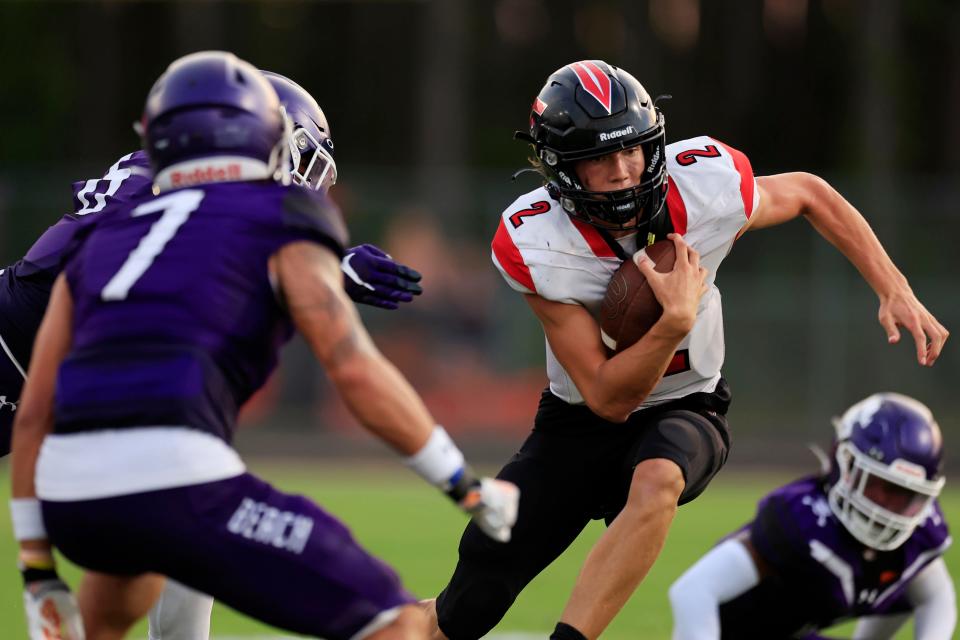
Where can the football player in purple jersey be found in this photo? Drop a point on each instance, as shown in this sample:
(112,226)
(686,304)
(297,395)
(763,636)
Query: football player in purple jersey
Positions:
(863,540)
(168,315)
(370,277)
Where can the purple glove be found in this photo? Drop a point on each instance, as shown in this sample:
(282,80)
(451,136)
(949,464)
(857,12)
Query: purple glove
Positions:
(372,277)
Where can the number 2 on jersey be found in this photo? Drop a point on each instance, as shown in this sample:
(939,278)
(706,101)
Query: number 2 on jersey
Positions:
(176,208)
(535,209)
(688,157)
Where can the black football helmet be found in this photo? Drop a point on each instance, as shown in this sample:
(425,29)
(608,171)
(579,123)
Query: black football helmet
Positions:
(589,109)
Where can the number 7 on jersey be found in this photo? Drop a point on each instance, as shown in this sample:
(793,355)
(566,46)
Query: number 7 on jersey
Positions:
(176,208)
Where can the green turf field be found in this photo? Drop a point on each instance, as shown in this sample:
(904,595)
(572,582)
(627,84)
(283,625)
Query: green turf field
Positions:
(412,527)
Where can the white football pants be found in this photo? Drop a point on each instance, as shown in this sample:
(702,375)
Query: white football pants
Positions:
(180,614)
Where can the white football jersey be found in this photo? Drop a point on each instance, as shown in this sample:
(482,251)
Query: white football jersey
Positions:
(541,250)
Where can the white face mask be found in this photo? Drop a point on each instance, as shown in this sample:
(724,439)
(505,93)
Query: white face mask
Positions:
(312,164)
(879,504)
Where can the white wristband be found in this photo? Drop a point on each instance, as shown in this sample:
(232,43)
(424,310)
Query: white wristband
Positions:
(438,460)
(27,519)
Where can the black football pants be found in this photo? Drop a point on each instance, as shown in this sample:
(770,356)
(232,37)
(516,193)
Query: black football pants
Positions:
(575,467)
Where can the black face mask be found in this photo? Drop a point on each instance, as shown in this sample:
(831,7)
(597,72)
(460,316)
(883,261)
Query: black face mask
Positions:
(633,208)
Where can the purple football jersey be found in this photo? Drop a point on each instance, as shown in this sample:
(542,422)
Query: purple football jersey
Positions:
(175,318)
(25,286)
(822,574)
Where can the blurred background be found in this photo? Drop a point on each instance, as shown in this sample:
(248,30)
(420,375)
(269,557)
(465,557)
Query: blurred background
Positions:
(423,98)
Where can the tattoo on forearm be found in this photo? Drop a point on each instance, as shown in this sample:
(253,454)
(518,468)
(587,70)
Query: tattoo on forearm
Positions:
(346,346)
(319,300)
(329,312)
(322,310)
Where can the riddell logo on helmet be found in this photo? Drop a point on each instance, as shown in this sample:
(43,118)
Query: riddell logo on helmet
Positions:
(214,173)
(618,133)
(908,468)
(654,161)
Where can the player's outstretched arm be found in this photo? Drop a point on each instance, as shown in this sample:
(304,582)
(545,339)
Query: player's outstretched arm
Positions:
(786,196)
(50,607)
(615,387)
(376,392)
(934,601)
(725,572)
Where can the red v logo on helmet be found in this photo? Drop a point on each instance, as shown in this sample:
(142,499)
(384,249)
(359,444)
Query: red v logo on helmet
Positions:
(595,81)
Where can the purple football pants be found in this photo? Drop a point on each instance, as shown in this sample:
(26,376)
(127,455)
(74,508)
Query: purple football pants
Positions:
(275,557)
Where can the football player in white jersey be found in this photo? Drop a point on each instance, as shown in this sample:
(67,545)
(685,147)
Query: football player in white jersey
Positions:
(630,437)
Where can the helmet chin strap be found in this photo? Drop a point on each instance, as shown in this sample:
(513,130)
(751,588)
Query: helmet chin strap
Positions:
(526,137)
(525,170)
(612,242)
(660,225)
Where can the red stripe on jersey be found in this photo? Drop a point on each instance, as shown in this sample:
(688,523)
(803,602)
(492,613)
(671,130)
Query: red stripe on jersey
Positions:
(679,363)
(595,81)
(510,259)
(742,163)
(597,244)
(678,210)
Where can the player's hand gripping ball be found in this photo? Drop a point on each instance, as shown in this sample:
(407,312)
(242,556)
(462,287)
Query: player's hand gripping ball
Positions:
(629,307)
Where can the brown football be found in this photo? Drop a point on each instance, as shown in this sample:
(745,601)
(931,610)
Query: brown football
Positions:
(629,307)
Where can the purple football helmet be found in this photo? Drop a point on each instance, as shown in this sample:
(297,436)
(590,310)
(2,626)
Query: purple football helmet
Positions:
(887,469)
(212,117)
(311,147)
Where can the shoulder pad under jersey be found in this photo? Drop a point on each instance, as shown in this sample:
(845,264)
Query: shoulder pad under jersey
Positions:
(786,520)
(128,179)
(316,216)
(713,191)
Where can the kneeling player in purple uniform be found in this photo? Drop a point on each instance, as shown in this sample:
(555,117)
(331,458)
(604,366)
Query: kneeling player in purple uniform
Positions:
(862,541)
(371,277)
(168,316)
